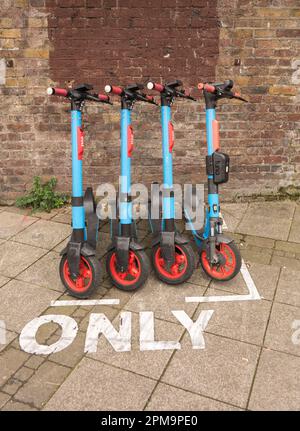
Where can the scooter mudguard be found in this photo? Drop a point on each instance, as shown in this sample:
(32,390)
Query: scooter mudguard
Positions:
(167,246)
(86,250)
(91,217)
(73,257)
(121,245)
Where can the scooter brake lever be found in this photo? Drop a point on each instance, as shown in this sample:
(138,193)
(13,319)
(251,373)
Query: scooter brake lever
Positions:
(241,98)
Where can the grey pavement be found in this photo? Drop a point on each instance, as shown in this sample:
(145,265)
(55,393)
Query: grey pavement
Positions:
(250,359)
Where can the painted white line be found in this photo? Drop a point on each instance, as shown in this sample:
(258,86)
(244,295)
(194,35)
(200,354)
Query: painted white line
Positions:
(2,332)
(253,294)
(89,302)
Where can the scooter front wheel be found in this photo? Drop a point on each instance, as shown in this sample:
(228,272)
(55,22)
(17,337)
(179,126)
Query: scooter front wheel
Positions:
(87,280)
(137,272)
(181,270)
(230,258)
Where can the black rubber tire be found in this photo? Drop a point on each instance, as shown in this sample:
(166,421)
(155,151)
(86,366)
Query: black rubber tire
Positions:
(238,265)
(96,277)
(191,264)
(145,270)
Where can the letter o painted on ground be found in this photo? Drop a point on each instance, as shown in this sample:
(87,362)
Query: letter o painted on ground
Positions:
(28,341)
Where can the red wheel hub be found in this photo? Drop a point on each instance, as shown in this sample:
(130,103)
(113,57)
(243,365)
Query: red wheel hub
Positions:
(177,269)
(129,277)
(85,278)
(224,270)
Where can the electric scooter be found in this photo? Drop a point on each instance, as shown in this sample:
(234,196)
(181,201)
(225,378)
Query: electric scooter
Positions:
(127,263)
(172,256)
(79,268)
(219,256)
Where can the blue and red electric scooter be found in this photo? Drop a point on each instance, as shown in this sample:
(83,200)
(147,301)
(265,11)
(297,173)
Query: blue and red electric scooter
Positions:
(127,263)
(219,255)
(172,255)
(79,268)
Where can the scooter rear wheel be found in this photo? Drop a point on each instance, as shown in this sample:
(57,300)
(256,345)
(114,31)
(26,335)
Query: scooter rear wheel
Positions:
(88,279)
(136,274)
(231,266)
(182,269)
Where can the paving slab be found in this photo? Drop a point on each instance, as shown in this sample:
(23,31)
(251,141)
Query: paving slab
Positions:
(62,245)
(288,290)
(10,361)
(277,382)
(9,337)
(295,228)
(11,386)
(244,320)
(24,374)
(199,277)
(169,398)
(21,302)
(44,234)
(224,370)
(259,241)
(63,216)
(147,363)
(280,331)
(110,389)
(285,262)
(44,272)
(35,361)
(11,224)
(72,354)
(287,246)
(265,278)
(42,385)
(16,406)
(253,254)
(3,399)
(233,214)
(3,280)
(271,220)
(15,257)
(162,298)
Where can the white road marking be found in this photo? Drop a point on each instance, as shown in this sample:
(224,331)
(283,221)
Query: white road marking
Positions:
(253,294)
(90,302)
(2,332)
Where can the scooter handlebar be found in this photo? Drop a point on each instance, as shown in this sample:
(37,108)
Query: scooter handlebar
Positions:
(227,93)
(53,91)
(113,89)
(155,86)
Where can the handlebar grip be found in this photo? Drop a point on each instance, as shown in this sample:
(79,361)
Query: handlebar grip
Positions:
(52,91)
(103,97)
(112,89)
(155,86)
(207,87)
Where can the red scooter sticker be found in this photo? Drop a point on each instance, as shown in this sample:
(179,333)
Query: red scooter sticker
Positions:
(129,141)
(171,136)
(80,146)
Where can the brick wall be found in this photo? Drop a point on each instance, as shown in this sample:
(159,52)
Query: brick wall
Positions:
(256,43)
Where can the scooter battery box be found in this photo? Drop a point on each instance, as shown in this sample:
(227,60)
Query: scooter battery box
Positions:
(217,165)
